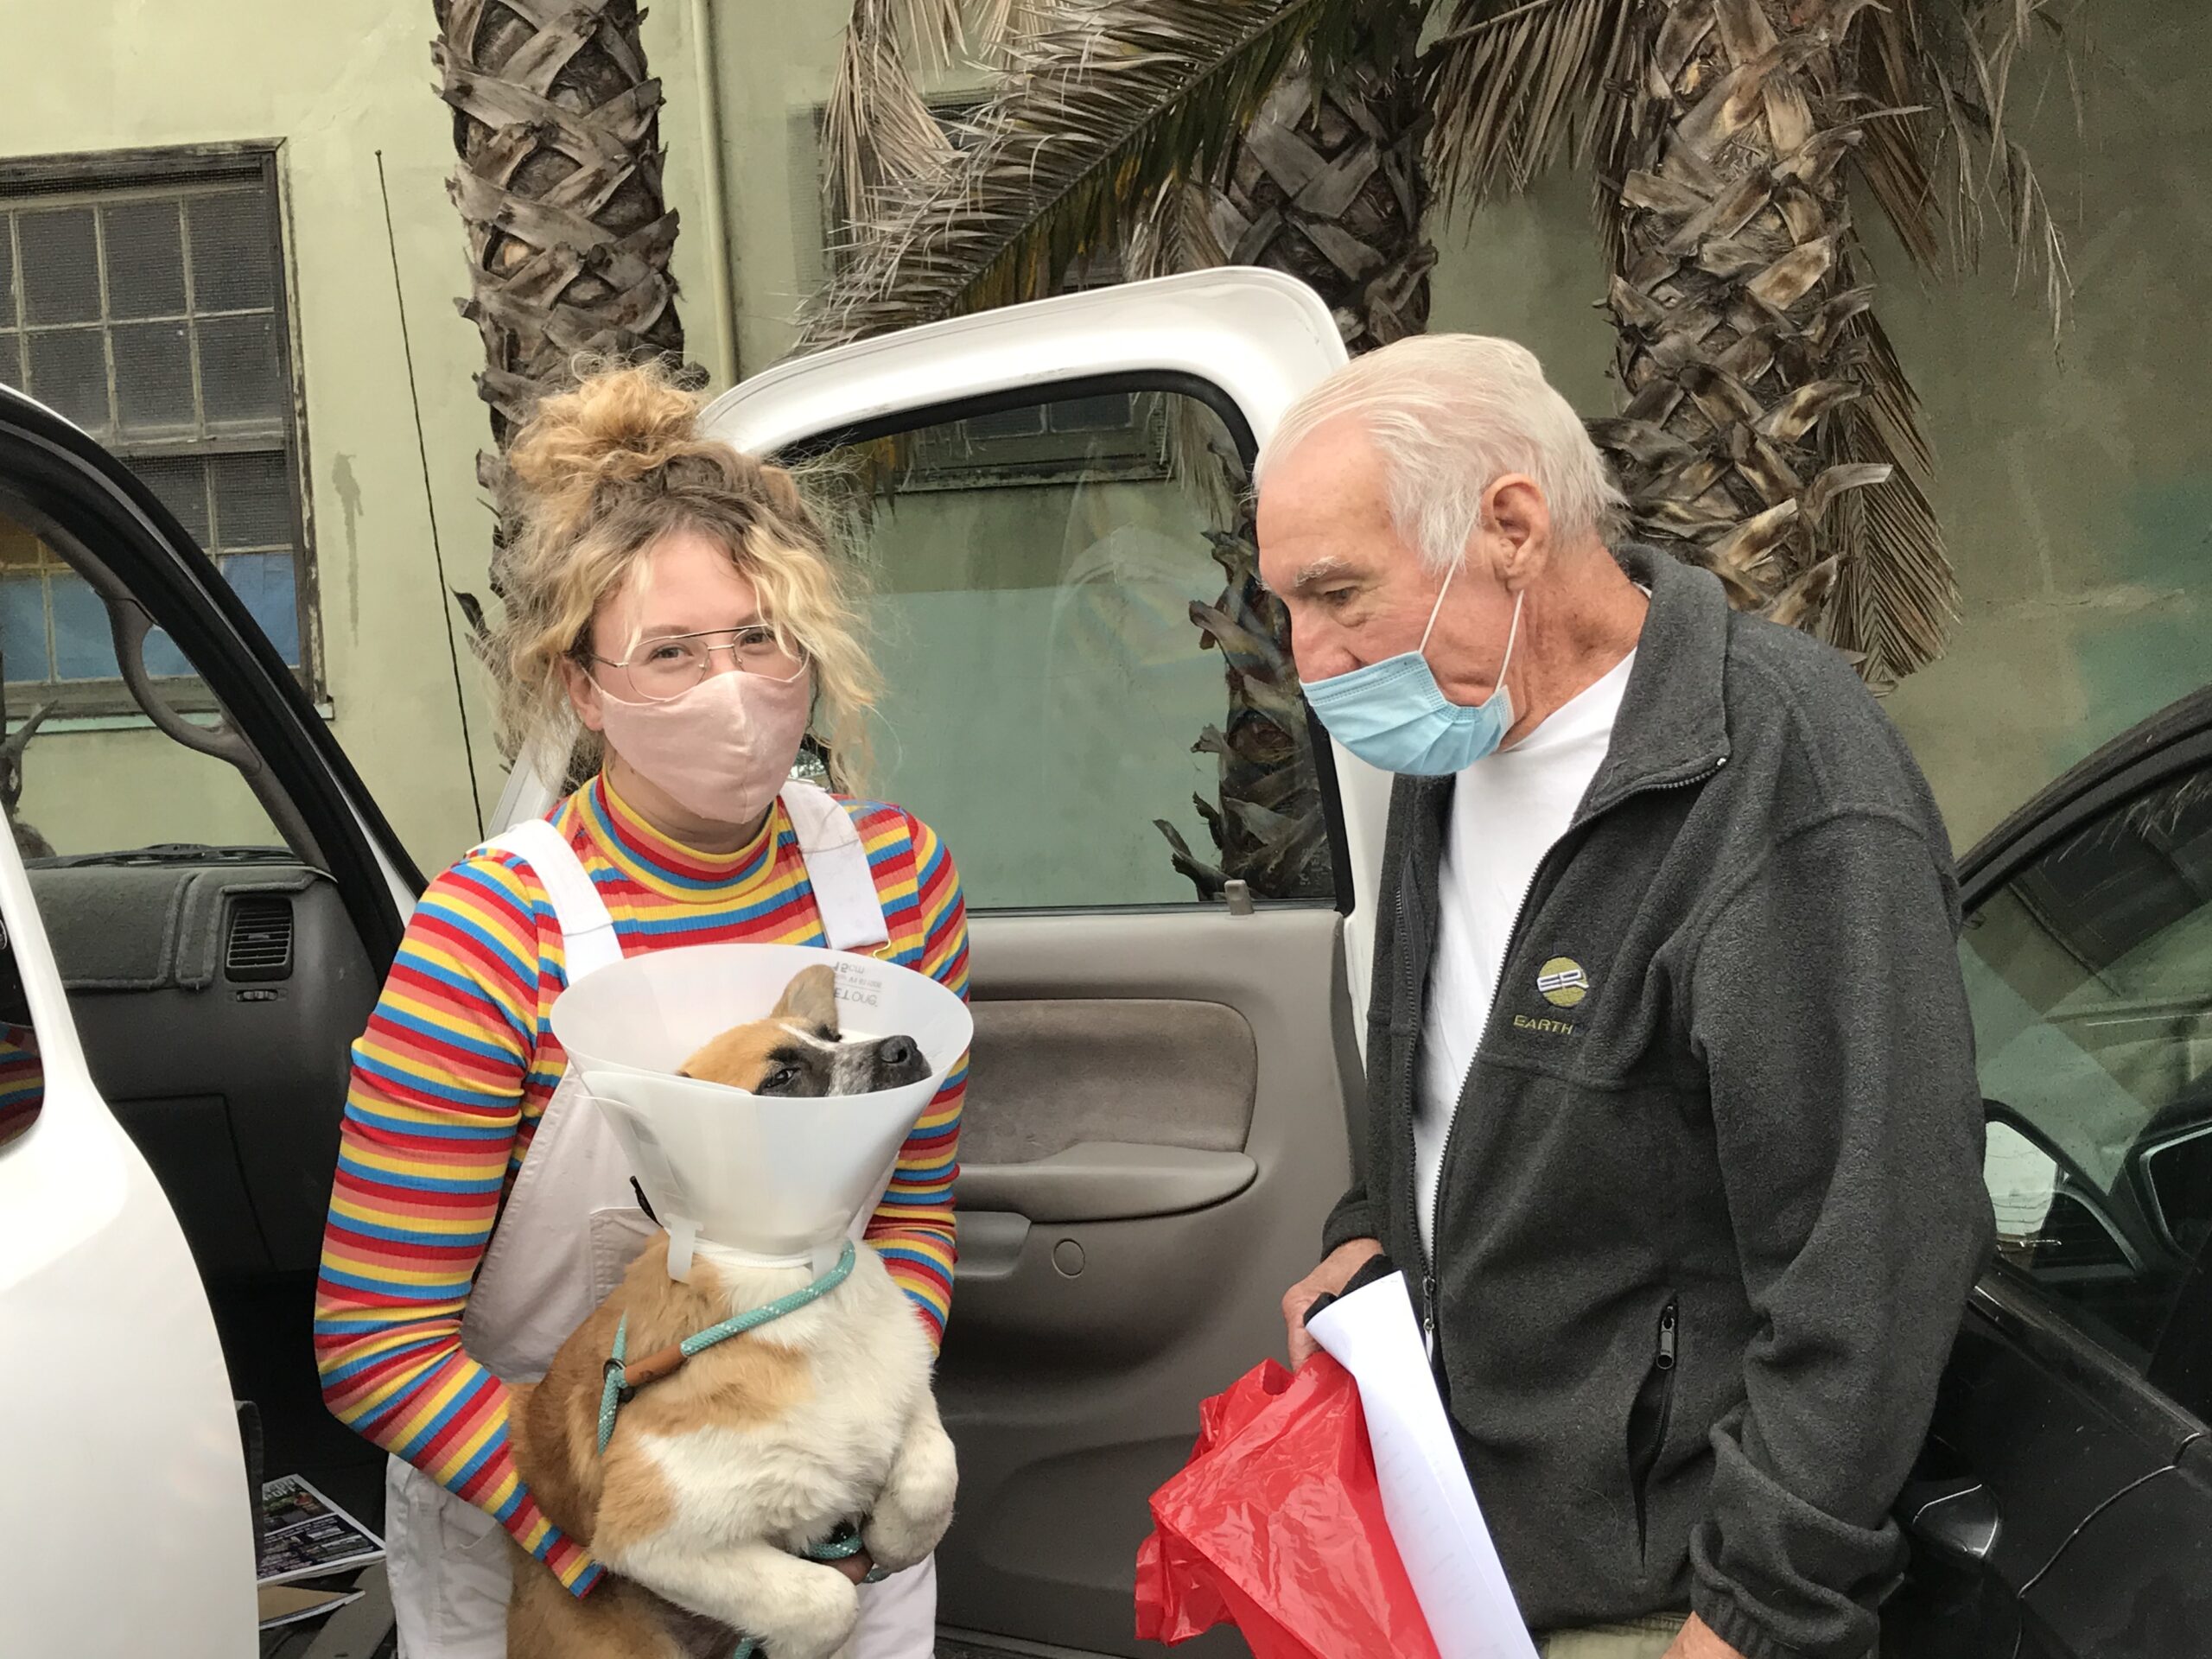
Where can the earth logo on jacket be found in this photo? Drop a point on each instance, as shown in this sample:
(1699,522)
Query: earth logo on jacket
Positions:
(1563,982)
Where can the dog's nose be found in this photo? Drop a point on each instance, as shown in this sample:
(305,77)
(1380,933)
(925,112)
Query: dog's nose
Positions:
(899,1051)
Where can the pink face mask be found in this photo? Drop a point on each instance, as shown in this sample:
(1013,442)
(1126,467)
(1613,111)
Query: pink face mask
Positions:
(723,748)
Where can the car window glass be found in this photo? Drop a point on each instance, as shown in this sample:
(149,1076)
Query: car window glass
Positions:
(1088,694)
(83,769)
(2090,974)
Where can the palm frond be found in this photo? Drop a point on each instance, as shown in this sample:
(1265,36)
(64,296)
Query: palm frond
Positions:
(1516,82)
(1175,232)
(1942,160)
(1897,596)
(936,27)
(876,130)
(877,127)
(1104,106)
(996,28)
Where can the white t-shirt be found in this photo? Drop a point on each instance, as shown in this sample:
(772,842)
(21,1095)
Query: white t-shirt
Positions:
(1507,809)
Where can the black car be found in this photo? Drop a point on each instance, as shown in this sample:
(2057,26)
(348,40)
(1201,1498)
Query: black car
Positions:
(2064,1504)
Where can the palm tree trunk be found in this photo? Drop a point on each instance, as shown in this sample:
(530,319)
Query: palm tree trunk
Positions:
(1744,339)
(557,125)
(1329,187)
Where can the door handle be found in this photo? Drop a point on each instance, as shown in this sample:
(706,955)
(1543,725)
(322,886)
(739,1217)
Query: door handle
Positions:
(1957,1517)
(1107,1180)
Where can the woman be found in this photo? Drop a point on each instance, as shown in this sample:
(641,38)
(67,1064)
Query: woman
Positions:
(681,600)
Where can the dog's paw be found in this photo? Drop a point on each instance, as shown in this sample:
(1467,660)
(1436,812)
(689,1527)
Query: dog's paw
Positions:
(810,1618)
(916,1505)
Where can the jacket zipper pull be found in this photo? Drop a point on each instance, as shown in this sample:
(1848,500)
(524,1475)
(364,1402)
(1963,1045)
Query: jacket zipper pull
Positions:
(1665,1360)
(1428,1315)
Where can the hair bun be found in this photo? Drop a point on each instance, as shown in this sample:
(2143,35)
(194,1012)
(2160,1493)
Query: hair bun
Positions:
(621,424)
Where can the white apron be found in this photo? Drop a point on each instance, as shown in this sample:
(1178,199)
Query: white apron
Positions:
(569,1231)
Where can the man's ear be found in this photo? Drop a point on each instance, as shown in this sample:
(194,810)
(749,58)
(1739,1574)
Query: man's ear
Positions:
(584,695)
(1518,523)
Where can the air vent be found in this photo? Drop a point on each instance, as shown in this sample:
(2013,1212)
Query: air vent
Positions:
(260,942)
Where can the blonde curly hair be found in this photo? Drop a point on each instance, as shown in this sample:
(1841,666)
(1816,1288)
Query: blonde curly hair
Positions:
(603,473)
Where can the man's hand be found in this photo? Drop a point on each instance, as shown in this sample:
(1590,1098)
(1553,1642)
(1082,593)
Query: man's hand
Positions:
(1332,1276)
(1697,1640)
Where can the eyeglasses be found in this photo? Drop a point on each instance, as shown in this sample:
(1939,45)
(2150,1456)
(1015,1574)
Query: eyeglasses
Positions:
(666,668)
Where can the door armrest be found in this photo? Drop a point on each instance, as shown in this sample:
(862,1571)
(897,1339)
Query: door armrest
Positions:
(1106,1181)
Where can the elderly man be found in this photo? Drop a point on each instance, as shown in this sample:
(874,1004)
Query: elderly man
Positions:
(1672,1112)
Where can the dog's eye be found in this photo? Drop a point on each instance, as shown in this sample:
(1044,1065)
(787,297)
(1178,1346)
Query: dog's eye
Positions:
(782,1077)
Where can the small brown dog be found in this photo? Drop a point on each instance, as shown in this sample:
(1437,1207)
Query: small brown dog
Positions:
(722,1472)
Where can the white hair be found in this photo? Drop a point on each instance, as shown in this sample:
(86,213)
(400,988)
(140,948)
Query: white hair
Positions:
(1450,415)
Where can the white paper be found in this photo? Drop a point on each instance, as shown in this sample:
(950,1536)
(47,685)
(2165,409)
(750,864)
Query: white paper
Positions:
(284,1604)
(1427,1498)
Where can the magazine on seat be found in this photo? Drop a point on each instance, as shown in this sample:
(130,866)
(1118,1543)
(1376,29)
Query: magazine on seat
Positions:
(306,1536)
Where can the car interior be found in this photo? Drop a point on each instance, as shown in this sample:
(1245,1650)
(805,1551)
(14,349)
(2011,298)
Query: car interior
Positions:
(217,982)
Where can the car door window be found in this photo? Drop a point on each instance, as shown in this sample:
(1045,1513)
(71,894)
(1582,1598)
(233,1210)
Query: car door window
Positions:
(83,771)
(1088,693)
(215,972)
(2090,974)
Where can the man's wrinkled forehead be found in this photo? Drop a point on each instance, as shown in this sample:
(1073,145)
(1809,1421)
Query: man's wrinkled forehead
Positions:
(1323,513)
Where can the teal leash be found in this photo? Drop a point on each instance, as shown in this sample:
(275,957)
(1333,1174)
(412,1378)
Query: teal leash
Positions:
(620,1389)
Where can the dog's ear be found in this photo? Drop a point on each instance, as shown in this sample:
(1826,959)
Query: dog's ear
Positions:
(811,1000)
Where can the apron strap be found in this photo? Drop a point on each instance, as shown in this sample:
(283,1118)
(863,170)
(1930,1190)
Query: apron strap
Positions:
(836,868)
(587,937)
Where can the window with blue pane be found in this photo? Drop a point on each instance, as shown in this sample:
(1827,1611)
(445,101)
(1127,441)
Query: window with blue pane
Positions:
(149,308)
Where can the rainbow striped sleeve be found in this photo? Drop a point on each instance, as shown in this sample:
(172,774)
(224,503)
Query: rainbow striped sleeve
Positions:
(912,1228)
(22,1080)
(442,1101)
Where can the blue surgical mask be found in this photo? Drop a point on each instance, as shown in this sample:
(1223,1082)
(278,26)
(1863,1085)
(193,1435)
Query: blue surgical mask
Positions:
(1393,715)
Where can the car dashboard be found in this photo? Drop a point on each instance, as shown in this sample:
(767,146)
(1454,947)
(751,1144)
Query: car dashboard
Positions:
(217,992)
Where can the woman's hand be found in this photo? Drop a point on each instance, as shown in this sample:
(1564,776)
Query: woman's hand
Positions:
(856,1566)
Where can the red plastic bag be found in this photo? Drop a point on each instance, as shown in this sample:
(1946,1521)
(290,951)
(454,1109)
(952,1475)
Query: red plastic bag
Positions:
(1275,1525)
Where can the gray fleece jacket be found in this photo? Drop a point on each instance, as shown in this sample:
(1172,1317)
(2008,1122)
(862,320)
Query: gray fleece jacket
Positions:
(1712,1200)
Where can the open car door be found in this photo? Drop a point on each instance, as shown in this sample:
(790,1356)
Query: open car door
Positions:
(175,1015)
(127,1524)
(1082,680)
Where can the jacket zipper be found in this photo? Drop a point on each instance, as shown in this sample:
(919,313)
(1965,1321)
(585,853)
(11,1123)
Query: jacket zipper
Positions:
(1451,1135)
(1406,980)
(1663,1355)
(1452,1130)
